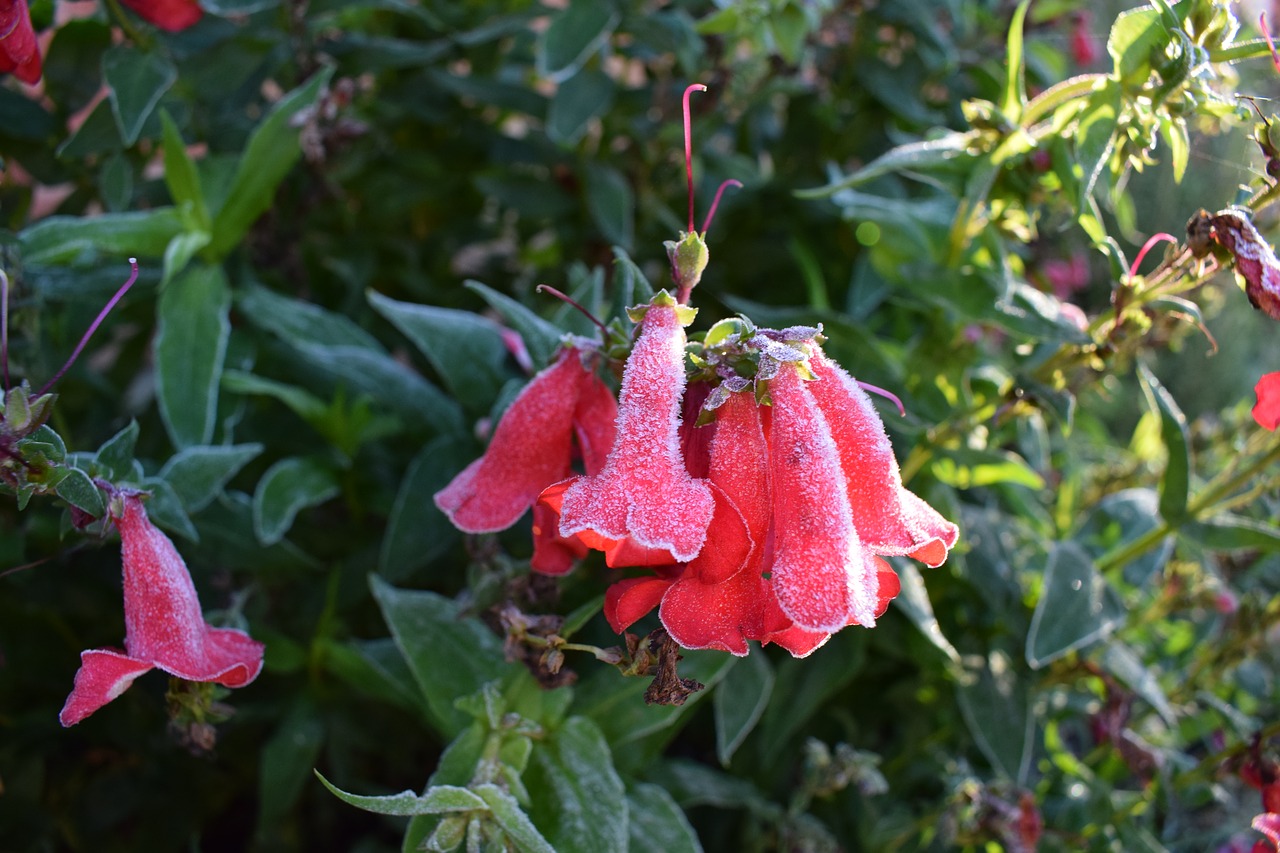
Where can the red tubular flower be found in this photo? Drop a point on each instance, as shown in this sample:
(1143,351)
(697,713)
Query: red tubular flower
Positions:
(1269,825)
(644,497)
(822,574)
(1267,410)
(19,52)
(171,15)
(890,520)
(532,446)
(164,627)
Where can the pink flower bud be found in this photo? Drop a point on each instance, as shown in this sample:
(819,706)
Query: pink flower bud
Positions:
(164,627)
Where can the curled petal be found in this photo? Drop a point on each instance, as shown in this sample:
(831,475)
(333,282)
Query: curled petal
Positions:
(552,553)
(721,616)
(629,600)
(644,493)
(172,15)
(1269,825)
(103,675)
(617,552)
(1267,410)
(890,520)
(532,446)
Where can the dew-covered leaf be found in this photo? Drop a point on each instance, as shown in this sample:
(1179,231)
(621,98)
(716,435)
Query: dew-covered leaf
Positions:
(288,487)
(1076,607)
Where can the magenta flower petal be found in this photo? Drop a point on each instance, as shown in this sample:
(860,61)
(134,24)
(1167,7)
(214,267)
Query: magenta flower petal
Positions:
(1269,825)
(103,675)
(163,622)
(172,15)
(1267,410)
(19,52)
(890,520)
(164,627)
(822,574)
(531,448)
(644,493)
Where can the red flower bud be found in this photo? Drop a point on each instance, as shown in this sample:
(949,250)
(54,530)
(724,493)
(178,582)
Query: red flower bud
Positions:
(19,52)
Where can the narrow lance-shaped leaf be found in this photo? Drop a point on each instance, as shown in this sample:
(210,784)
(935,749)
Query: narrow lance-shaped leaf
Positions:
(1015,87)
(288,487)
(191,342)
(1176,482)
(437,800)
(135,80)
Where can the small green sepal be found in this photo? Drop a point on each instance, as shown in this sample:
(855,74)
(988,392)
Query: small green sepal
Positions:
(689,258)
(684,313)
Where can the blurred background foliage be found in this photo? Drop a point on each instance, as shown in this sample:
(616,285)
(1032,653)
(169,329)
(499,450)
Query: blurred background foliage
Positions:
(297,178)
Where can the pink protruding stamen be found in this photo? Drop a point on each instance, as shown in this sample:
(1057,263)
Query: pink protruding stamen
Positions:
(93,327)
(1162,237)
(888,395)
(1266,34)
(706,223)
(565,298)
(4,328)
(688,145)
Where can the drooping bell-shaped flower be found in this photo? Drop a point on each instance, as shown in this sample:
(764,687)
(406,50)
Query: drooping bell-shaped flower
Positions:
(644,497)
(890,520)
(19,52)
(532,446)
(164,627)
(823,575)
(171,15)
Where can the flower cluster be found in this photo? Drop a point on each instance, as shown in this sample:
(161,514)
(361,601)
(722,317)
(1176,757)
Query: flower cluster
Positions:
(164,627)
(748,473)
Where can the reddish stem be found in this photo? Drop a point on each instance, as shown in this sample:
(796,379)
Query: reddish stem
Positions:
(706,223)
(888,395)
(1266,34)
(93,327)
(1162,237)
(546,288)
(688,145)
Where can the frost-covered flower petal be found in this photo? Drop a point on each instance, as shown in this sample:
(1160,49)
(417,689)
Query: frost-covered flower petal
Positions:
(164,627)
(890,519)
(531,449)
(644,493)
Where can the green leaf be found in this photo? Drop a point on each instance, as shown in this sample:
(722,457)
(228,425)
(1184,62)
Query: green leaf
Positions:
(116,453)
(450,656)
(573,35)
(1015,85)
(440,799)
(180,251)
(1176,483)
(268,157)
(630,284)
(1134,37)
(166,510)
(996,706)
(1175,133)
(1124,664)
(579,99)
(579,802)
(299,322)
(802,686)
(914,601)
(417,532)
(1076,607)
(82,240)
(1095,137)
(464,348)
(73,63)
(286,761)
(925,155)
(136,81)
(198,474)
(656,823)
(1229,532)
(1120,518)
(739,702)
(77,489)
(541,338)
(181,176)
(967,469)
(286,488)
(192,328)
(611,204)
(514,822)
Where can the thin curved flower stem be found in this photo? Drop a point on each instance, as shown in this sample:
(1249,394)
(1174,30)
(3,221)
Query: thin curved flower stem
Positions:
(715,202)
(568,300)
(93,327)
(688,146)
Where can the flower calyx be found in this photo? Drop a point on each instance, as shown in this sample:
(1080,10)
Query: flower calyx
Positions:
(689,257)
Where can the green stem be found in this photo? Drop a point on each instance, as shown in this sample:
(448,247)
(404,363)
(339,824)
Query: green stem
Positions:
(1256,49)
(1057,95)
